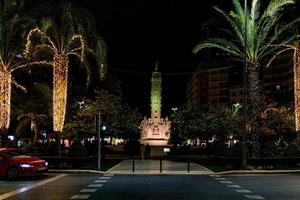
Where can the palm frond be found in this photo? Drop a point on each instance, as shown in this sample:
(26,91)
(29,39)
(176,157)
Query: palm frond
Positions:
(219,43)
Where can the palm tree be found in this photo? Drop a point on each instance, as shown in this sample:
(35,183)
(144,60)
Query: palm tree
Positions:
(59,44)
(12,26)
(261,36)
(35,121)
(60,37)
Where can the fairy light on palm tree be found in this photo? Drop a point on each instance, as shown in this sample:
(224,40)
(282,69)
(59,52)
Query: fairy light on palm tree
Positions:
(61,47)
(10,59)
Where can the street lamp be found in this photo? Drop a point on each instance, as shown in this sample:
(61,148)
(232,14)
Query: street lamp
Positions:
(80,103)
(174,109)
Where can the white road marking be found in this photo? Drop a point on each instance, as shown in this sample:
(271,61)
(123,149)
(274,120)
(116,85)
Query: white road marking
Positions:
(234,186)
(106,178)
(243,191)
(214,176)
(80,196)
(255,197)
(220,179)
(100,181)
(95,185)
(34,185)
(88,190)
(226,182)
(108,175)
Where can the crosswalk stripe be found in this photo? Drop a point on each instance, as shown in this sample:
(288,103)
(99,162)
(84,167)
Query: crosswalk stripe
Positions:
(234,186)
(88,190)
(95,185)
(255,197)
(226,182)
(100,181)
(220,179)
(80,196)
(106,178)
(243,191)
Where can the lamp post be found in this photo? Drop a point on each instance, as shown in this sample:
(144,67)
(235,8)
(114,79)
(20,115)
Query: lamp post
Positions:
(99,140)
(245,81)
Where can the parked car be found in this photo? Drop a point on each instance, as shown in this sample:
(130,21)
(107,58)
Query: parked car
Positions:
(13,164)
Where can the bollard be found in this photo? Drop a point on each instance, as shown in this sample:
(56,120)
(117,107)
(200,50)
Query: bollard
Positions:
(160,168)
(188,166)
(133,165)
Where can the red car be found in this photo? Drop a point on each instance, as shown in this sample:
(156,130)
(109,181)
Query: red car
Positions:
(13,164)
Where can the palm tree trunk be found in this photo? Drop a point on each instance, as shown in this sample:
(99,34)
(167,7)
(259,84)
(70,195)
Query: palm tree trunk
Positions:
(297,90)
(36,132)
(5,95)
(60,84)
(255,105)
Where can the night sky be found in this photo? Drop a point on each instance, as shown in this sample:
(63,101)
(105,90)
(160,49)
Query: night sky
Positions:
(140,32)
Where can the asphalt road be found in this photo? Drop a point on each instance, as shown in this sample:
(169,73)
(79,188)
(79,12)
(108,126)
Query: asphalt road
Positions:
(150,187)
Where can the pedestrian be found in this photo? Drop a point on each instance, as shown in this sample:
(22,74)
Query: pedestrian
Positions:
(147,151)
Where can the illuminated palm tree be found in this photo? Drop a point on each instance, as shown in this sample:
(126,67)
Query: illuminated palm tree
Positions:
(54,47)
(12,27)
(261,35)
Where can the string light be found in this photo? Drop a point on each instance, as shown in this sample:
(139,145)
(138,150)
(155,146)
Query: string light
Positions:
(297,87)
(5,96)
(60,64)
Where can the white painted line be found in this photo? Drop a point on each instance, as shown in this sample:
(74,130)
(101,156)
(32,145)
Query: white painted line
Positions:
(24,189)
(95,185)
(226,182)
(106,178)
(88,190)
(255,197)
(80,196)
(214,176)
(220,179)
(108,175)
(234,186)
(243,191)
(100,181)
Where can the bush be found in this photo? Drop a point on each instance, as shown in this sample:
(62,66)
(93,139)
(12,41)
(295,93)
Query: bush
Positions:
(292,150)
(52,149)
(77,149)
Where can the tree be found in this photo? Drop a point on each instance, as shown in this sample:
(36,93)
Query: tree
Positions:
(121,120)
(12,26)
(262,33)
(33,111)
(59,38)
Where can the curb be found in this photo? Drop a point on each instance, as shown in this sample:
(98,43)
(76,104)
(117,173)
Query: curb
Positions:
(257,172)
(71,171)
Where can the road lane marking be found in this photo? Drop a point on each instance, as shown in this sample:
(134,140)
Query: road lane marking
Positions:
(95,185)
(220,179)
(108,175)
(255,197)
(100,181)
(234,186)
(79,196)
(243,191)
(34,185)
(226,182)
(88,190)
(106,178)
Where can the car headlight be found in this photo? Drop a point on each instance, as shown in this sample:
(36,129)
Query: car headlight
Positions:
(25,165)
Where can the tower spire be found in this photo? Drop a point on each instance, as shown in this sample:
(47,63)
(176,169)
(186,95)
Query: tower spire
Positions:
(156,66)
